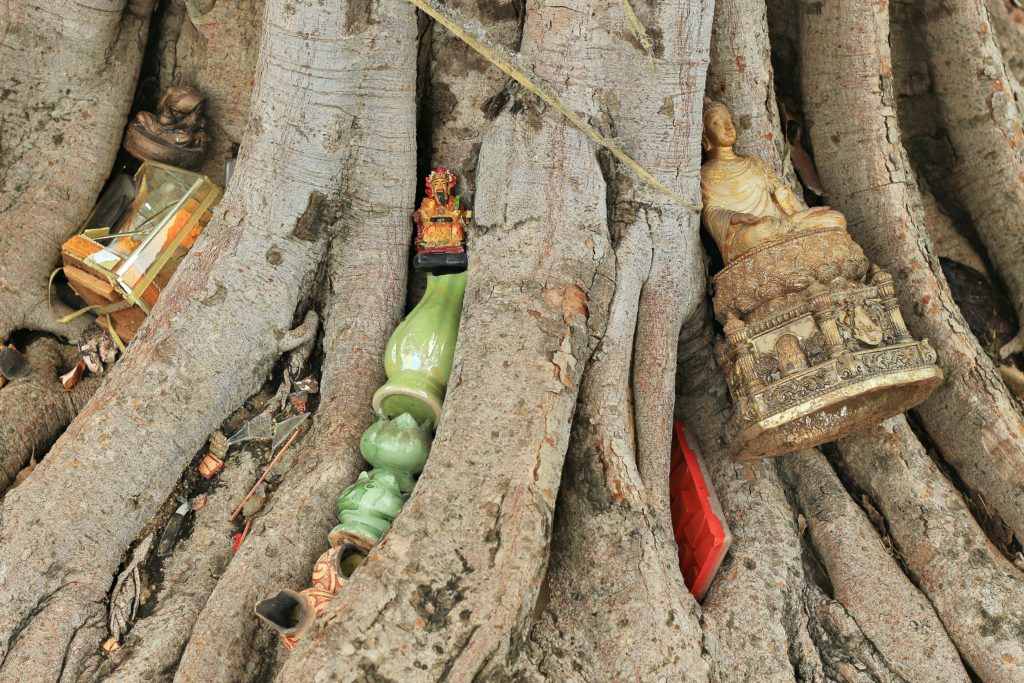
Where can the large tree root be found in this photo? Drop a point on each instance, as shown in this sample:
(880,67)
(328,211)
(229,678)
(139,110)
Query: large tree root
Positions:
(614,500)
(365,292)
(153,647)
(456,578)
(976,592)
(35,409)
(866,579)
(613,581)
(223,319)
(62,113)
(979,99)
(971,417)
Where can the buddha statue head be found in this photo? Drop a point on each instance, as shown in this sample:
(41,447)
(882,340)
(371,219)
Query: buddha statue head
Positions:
(719,131)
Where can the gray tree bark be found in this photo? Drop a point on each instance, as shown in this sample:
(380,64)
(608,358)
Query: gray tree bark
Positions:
(971,416)
(63,108)
(364,293)
(236,293)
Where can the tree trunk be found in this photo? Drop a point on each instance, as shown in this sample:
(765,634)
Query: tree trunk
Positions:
(247,274)
(979,101)
(63,108)
(365,295)
(971,417)
(537,544)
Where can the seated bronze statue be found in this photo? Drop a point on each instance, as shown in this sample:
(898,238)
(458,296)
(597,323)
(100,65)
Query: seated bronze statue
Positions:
(814,345)
(175,133)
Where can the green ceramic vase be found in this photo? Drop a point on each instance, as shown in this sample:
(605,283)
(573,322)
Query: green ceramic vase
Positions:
(399,446)
(366,509)
(418,357)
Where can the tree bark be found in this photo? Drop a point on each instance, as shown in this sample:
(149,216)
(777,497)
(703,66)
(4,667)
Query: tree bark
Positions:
(867,580)
(153,648)
(979,102)
(459,596)
(63,108)
(225,317)
(364,288)
(751,617)
(614,499)
(971,417)
(36,408)
(976,592)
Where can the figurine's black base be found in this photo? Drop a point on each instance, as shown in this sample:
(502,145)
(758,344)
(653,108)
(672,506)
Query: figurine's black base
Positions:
(440,264)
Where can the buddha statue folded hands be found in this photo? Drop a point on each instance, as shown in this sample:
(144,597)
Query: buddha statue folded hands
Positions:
(814,345)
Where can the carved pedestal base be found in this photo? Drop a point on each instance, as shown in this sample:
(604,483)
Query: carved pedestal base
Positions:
(842,407)
(814,348)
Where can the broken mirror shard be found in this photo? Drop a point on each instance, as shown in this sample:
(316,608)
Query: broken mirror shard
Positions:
(175,133)
(814,344)
(441,226)
(120,267)
(419,355)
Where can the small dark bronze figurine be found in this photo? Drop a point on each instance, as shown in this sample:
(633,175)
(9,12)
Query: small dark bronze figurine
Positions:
(174,134)
(815,346)
(440,226)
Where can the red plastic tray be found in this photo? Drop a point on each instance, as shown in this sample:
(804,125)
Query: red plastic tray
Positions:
(697,519)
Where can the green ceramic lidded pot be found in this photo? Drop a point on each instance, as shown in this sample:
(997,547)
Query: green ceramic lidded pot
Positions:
(366,509)
(418,358)
(399,446)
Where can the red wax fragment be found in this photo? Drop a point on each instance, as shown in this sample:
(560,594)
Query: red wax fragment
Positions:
(697,519)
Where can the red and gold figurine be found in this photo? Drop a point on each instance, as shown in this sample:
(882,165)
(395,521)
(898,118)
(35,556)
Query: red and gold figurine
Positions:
(441,226)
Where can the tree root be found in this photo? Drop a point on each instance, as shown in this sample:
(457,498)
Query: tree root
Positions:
(867,581)
(613,583)
(365,295)
(35,409)
(458,587)
(153,647)
(971,416)
(220,318)
(976,592)
(980,104)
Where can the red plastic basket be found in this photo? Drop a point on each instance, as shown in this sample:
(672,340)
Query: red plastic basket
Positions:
(697,519)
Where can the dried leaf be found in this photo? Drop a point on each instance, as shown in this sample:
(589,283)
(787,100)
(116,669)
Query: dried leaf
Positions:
(70,379)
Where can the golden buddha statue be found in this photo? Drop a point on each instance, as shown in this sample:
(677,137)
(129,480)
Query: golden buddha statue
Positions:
(814,346)
(746,204)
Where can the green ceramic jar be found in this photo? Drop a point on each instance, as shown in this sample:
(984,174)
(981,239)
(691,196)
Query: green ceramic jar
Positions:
(399,446)
(418,358)
(367,508)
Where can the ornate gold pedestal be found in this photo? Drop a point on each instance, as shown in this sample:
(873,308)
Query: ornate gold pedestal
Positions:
(815,346)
